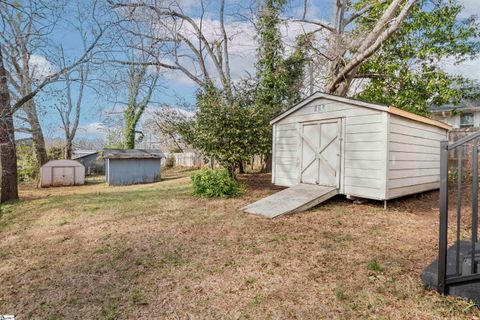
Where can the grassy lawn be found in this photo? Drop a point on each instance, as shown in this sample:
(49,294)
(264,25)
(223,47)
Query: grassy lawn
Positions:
(156,251)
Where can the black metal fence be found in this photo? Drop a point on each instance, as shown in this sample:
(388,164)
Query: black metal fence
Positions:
(463,254)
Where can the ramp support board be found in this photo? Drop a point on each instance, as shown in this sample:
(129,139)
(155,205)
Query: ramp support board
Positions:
(298,198)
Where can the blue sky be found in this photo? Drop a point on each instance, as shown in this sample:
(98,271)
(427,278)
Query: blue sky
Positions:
(175,85)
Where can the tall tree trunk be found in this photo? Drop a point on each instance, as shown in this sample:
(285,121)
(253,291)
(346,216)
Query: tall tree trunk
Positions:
(268,163)
(8,154)
(37,133)
(311,80)
(342,88)
(68,148)
(231,171)
(129,133)
(241,168)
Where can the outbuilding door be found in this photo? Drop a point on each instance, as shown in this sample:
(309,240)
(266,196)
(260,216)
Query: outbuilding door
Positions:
(63,176)
(320,152)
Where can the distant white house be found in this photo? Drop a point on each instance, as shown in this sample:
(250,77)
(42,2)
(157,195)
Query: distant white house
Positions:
(464,115)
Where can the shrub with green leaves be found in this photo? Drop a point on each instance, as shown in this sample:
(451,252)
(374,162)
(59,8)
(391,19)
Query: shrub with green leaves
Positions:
(27,164)
(214,183)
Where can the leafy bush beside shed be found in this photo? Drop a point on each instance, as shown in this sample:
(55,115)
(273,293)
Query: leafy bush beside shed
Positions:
(214,183)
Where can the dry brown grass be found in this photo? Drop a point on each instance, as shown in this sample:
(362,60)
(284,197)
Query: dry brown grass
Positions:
(155,251)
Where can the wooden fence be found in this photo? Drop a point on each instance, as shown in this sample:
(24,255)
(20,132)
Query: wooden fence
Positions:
(188,159)
(195,160)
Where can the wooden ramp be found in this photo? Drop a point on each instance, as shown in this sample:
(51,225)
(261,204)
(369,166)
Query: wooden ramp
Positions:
(294,199)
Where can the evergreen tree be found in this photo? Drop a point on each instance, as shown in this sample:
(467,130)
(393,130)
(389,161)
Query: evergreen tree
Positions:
(225,128)
(279,78)
(232,127)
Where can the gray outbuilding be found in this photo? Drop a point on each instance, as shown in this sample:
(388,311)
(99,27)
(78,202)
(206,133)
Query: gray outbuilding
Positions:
(57,173)
(91,160)
(132,166)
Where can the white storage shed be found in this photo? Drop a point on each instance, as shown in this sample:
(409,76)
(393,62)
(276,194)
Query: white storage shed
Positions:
(361,149)
(58,173)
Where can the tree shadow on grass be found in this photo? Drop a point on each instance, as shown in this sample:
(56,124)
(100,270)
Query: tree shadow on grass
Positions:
(168,178)
(92,182)
(258,181)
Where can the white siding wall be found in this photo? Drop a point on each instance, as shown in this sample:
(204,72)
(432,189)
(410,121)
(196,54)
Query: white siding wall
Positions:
(285,150)
(414,157)
(363,149)
(454,121)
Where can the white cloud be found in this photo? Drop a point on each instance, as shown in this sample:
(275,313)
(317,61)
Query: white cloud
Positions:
(40,67)
(178,78)
(150,112)
(187,4)
(92,130)
(472,7)
(469,68)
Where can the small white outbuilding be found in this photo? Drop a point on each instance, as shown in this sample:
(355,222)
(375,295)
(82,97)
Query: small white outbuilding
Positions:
(360,149)
(58,173)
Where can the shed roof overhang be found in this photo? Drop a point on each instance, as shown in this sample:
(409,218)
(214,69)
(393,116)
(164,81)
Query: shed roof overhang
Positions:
(84,155)
(62,163)
(416,117)
(132,154)
(379,107)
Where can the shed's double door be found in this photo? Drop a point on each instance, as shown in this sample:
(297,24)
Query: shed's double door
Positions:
(320,152)
(63,176)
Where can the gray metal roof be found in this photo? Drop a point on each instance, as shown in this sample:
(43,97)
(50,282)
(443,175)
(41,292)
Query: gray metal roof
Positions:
(77,154)
(465,105)
(132,154)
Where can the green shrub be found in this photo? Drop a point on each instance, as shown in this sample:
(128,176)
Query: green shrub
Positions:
(374,266)
(214,183)
(27,164)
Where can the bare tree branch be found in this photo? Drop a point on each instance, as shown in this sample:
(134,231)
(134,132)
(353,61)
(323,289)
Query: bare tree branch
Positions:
(56,75)
(315,22)
(373,41)
(362,11)
(217,52)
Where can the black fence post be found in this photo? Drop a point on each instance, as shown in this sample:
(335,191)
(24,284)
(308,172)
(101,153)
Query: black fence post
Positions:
(443,242)
(459,209)
(474,204)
